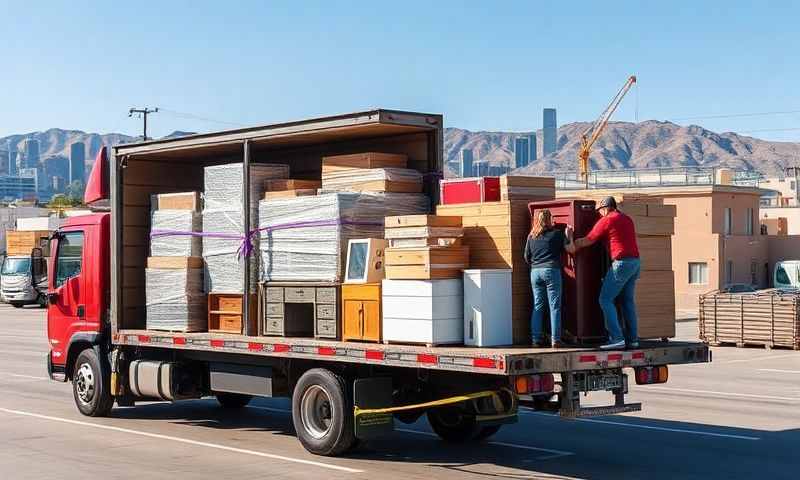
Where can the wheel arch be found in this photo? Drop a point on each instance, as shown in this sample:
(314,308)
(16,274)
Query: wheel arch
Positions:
(78,343)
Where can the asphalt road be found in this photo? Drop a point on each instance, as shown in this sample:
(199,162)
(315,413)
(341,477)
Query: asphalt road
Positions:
(736,418)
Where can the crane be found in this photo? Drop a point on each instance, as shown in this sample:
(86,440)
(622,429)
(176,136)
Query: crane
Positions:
(591,134)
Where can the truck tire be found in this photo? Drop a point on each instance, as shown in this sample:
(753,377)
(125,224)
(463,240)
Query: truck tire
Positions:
(453,425)
(322,413)
(91,384)
(486,432)
(233,400)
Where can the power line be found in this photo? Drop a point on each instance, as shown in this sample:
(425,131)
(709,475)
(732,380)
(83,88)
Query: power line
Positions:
(143,113)
(736,115)
(192,116)
(769,130)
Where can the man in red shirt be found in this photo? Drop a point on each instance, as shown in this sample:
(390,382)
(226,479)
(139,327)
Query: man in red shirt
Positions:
(617,231)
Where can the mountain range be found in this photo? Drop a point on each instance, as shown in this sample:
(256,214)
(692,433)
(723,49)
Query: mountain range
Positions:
(647,144)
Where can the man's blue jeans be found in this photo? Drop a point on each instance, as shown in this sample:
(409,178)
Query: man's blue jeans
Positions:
(620,281)
(546,285)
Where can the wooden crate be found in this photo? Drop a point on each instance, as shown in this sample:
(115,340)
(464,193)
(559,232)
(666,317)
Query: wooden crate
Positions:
(496,234)
(177,201)
(426,263)
(363,160)
(22,242)
(655,304)
(770,318)
(225,313)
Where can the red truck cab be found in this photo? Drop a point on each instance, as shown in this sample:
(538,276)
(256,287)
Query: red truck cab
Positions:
(77,290)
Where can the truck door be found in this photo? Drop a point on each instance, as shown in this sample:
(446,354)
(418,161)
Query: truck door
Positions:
(66,311)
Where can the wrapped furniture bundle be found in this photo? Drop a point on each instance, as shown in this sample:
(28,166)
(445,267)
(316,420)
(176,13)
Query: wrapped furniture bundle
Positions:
(222,223)
(305,238)
(174,296)
(176,245)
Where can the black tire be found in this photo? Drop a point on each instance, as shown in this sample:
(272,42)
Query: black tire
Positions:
(322,413)
(17,305)
(486,432)
(91,384)
(233,400)
(453,425)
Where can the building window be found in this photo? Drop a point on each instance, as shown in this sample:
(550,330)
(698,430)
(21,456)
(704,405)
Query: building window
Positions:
(792,185)
(748,222)
(698,273)
(728,226)
(729,272)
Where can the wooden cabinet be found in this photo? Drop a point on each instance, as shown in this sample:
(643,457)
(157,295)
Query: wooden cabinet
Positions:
(225,313)
(300,310)
(361,312)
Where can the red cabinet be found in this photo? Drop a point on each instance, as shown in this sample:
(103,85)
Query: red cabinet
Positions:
(469,190)
(581,317)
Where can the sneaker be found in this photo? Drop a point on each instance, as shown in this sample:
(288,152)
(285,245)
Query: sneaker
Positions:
(613,345)
(634,344)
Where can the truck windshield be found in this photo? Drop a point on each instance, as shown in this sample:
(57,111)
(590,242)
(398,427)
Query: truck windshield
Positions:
(16,266)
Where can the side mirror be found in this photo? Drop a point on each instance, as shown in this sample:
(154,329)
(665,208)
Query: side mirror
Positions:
(37,262)
(52,298)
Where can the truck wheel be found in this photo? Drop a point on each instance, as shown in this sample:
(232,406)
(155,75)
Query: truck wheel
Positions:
(91,385)
(233,400)
(322,413)
(486,432)
(452,424)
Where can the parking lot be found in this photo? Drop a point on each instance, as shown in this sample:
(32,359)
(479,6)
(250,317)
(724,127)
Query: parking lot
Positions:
(738,417)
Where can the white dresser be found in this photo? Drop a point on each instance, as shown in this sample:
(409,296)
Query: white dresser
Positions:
(428,312)
(487,308)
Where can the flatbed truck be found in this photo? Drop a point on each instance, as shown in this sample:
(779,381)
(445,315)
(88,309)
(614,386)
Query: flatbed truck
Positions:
(342,392)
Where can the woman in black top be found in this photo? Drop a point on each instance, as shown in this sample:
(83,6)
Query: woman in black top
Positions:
(543,252)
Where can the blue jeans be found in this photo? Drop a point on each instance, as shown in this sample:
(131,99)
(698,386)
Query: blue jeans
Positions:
(546,285)
(620,281)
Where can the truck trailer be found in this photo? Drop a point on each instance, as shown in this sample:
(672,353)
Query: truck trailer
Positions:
(341,392)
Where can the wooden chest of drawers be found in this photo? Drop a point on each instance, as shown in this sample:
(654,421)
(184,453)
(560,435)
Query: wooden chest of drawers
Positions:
(361,312)
(300,309)
(225,312)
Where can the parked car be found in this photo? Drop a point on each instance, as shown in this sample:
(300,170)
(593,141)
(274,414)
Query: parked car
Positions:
(786,275)
(738,288)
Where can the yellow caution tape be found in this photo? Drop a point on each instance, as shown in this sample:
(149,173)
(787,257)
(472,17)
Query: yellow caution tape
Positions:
(434,403)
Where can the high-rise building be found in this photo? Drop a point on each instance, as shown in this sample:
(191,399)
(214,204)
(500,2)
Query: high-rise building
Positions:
(480,168)
(467,159)
(549,131)
(12,160)
(520,152)
(31,153)
(532,148)
(77,162)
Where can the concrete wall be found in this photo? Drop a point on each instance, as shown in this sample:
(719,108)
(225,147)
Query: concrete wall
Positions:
(782,247)
(791,214)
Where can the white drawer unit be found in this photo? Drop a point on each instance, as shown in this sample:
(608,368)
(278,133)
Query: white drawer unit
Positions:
(487,308)
(429,312)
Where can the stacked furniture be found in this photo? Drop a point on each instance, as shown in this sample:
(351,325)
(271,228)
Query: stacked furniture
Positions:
(426,247)
(226,311)
(174,295)
(290,188)
(769,318)
(361,312)
(370,172)
(300,309)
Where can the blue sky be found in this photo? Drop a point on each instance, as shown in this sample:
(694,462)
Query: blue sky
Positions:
(484,65)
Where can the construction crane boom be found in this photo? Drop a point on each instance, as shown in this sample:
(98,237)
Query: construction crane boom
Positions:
(591,134)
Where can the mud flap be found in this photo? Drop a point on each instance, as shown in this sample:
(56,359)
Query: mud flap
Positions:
(372,394)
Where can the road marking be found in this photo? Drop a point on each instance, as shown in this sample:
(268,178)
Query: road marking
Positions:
(27,376)
(184,440)
(654,388)
(777,370)
(552,453)
(763,357)
(646,427)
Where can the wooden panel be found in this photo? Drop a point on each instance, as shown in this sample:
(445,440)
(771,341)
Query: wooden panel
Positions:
(654,225)
(289,194)
(177,263)
(367,291)
(177,201)
(291,184)
(372,320)
(366,160)
(351,319)
(655,252)
(21,243)
(429,256)
(423,232)
(423,221)
(225,312)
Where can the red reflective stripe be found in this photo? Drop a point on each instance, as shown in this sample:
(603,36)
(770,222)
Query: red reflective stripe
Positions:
(144,339)
(373,355)
(326,351)
(587,358)
(484,363)
(612,357)
(178,341)
(426,358)
(280,347)
(217,343)
(255,347)
(637,355)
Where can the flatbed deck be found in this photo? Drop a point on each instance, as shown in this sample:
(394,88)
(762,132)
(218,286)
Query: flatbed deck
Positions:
(512,360)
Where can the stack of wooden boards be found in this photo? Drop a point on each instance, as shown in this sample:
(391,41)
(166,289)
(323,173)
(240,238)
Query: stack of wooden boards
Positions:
(424,247)
(655,289)
(283,188)
(532,189)
(769,318)
(174,295)
(22,242)
(370,172)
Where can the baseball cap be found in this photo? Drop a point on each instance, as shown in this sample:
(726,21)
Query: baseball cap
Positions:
(608,202)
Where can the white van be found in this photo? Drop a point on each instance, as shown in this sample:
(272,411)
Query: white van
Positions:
(787,275)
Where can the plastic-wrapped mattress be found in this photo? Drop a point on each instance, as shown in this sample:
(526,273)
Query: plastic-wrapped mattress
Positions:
(176,245)
(174,299)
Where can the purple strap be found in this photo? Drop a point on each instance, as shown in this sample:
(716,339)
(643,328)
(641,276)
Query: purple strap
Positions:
(246,247)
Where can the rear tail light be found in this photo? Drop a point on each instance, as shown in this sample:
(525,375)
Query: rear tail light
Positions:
(534,384)
(651,375)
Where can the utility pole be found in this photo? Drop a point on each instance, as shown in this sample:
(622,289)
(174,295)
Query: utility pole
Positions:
(143,112)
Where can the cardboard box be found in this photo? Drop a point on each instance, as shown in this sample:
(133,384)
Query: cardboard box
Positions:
(426,263)
(654,225)
(655,304)
(177,201)
(655,252)
(21,243)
